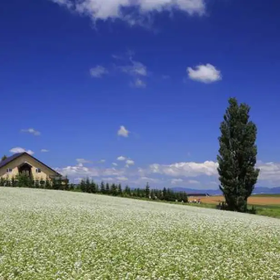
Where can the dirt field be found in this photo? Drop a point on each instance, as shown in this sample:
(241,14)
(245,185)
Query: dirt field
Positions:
(258,200)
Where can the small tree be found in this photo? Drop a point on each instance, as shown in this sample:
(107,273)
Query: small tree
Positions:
(3,158)
(102,187)
(120,192)
(237,156)
(107,189)
(147,190)
(48,184)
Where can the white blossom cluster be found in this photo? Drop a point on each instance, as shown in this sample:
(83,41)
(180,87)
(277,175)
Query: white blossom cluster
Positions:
(48,234)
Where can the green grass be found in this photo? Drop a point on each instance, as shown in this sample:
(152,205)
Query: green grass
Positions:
(263,210)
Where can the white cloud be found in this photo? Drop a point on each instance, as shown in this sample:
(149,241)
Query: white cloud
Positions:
(102,160)
(31,131)
(123,131)
(131,11)
(82,161)
(269,172)
(135,69)
(122,178)
(138,83)
(186,169)
(121,158)
(114,164)
(130,162)
(204,73)
(176,181)
(44,151)
(80,171)
(98,71)
(21,150)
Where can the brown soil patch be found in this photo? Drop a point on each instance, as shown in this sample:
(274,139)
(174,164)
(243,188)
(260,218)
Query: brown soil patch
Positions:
(258,200)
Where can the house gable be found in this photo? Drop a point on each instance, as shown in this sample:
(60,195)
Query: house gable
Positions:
(39,170)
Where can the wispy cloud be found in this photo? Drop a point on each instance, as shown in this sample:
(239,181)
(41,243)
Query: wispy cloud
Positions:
(83,161)
(204,73)
(138,83)
(114,164)
(98,71)
(135,69)
(123,132)
(44,151)
(21,150)
(133,12)
(31,131)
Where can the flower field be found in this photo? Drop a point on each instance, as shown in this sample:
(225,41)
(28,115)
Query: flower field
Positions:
(63,235)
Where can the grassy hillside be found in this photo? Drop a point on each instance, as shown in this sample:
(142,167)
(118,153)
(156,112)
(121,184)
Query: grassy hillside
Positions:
(63,235)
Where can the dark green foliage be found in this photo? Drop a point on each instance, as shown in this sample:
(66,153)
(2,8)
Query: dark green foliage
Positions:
(48,184)
(83,186)
(42,183)
(107,189)
(3,158)
(127,191)
(23,181)
(114,190)
(237,156)
(119,190)
(147,191)
(2,181)
(102,187)
(13,182)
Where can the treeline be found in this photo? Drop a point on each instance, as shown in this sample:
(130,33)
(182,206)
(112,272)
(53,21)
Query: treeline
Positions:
(118,190)
(89,186)
(24,181)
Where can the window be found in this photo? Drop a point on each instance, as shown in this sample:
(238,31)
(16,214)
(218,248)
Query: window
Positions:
(38,170)
(9,170)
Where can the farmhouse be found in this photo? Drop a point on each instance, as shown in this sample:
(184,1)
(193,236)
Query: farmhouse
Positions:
(25,164)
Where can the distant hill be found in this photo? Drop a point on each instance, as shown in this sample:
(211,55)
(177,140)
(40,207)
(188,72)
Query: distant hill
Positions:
(258,190)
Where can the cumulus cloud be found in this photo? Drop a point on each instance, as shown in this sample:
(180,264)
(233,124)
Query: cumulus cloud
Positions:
(114,164)
(204,73)
(44,151)
(31,131)
(121,158)
(129,162)
(186,169)
(80,171)
(269,172)
(21,150)
(98,71)
(131,11)
(123,131)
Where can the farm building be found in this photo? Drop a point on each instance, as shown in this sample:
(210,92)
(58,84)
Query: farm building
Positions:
(25,164)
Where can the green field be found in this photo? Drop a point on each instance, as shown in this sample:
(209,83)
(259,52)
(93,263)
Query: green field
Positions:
(65,235)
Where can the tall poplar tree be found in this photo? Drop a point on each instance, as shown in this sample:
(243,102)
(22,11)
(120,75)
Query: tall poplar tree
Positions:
(237,156)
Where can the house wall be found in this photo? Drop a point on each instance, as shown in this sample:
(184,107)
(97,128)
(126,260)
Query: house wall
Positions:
(45,172)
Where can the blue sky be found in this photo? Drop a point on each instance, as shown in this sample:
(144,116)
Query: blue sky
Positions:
(144,80)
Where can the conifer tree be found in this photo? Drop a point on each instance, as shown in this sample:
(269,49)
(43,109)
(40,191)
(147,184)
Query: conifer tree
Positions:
(102,187)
